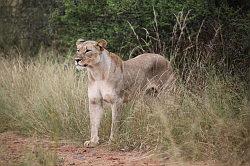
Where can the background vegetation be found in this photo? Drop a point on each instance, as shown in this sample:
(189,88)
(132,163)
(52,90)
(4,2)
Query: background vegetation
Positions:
(205,117)
(41,97)
(136,25)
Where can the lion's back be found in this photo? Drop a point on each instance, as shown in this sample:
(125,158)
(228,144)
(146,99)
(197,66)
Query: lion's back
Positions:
(146,67)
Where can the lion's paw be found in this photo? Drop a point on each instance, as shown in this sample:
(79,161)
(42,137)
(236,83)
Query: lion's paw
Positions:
(90,144)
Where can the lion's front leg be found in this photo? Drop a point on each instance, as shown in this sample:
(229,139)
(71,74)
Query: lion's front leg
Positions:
(116,117)
(96,113)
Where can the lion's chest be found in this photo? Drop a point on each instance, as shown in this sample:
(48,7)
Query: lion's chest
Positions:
(101,90)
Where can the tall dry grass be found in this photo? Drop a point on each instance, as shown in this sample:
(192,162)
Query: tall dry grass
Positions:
(41,97)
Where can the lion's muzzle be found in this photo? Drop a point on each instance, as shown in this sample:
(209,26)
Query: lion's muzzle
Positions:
(79,62)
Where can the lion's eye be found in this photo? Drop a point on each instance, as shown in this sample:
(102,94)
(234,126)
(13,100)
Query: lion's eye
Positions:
(87,50)
(78,50)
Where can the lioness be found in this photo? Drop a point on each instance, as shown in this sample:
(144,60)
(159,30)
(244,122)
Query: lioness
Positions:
(113,80)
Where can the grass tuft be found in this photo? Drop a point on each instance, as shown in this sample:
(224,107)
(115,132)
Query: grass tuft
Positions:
(43,97)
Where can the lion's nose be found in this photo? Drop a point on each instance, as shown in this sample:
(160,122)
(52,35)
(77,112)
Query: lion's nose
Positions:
(77,60)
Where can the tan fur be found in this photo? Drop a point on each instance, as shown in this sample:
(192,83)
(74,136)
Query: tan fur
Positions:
(115,81)
(117,60)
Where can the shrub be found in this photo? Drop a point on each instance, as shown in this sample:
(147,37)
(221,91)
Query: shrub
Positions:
(132,27)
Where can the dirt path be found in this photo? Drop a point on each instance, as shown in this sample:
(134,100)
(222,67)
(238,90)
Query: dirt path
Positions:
(16,150)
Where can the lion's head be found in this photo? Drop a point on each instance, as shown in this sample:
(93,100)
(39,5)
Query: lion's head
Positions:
(88,53)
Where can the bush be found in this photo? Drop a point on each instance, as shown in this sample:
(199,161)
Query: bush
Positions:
(110,20)
(132,27)
(218,29)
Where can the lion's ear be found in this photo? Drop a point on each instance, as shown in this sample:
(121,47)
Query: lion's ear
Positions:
(102,43)
(80,41)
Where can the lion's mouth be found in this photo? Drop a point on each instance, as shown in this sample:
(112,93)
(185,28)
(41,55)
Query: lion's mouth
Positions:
(81,66)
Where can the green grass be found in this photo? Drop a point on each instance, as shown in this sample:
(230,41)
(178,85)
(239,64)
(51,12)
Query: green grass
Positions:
(41,97)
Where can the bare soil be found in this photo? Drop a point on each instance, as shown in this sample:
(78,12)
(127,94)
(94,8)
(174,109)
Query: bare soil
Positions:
(14,149)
